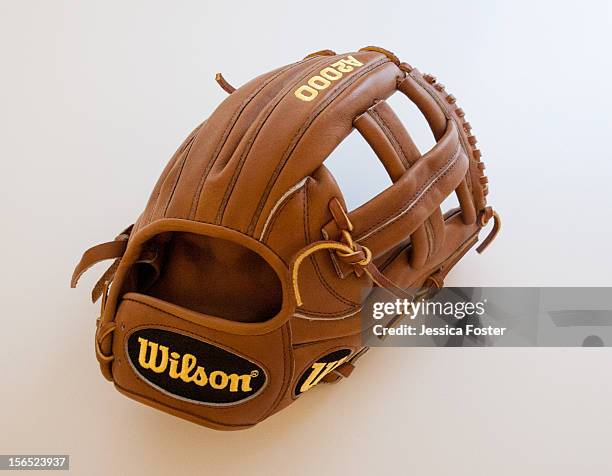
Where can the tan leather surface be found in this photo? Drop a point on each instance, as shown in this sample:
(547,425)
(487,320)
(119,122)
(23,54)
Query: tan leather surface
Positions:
(240,224)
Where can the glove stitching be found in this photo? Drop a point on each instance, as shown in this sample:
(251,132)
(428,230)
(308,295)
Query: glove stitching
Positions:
(322,316)
(430,238)
(286,340)
(399,149)
(466,147)
(421,193)
(175,158)
(226,133)
(178,176)
(277,215)
(397,146)
(272,105)
(333,95)
(426,187)
(280,206)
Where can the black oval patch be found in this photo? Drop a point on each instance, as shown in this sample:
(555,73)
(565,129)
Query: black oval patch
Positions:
(191,369)
(320,368)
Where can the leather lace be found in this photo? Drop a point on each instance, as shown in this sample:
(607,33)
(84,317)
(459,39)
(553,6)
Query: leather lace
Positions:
(349,252)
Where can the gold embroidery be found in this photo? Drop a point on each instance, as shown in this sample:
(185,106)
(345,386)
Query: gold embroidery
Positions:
(320,370)
(307,92)
(186,369)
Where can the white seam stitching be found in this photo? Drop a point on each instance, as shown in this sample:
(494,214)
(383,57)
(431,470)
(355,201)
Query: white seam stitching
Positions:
(416,199)
(308,318)
(280,201)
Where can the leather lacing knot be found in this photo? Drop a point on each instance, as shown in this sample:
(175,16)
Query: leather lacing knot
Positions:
(359,256)
(348,251)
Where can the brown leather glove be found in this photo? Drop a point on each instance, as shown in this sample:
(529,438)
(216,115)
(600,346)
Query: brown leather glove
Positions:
(240,285)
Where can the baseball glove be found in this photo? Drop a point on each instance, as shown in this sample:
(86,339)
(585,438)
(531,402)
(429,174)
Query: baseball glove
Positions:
(239,287)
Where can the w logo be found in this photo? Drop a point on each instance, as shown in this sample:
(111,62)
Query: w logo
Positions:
(320,369)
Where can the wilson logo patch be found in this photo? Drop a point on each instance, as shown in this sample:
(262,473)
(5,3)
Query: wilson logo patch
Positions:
(307,92)
(191,369)
(320,368)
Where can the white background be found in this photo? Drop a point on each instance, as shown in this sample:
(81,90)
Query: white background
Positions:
(96,96)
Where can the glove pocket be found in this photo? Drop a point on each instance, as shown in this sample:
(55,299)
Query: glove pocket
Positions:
(218,373)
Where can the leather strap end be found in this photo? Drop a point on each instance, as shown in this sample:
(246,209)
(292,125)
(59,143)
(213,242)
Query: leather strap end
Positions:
(321,53)
(385,52)
(227,87)
(344,371)
(95,254)
(107,277)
